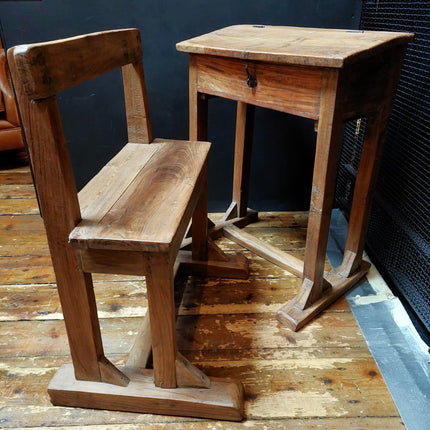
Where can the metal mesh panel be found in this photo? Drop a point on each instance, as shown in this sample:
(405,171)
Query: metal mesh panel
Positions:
(353,134)
(399,230)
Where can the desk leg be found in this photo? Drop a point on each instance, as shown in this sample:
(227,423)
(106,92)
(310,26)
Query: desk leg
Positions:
(219,264)
(376,128)
(316,293)
(198,107)
(238,214)
(323,187)
(242,160)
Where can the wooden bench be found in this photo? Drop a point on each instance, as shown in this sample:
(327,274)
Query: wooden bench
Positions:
(131,218)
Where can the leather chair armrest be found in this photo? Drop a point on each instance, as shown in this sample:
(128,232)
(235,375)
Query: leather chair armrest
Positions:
(7,93)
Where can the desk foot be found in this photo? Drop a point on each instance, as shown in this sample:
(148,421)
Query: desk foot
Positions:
(250,217)
(216,231)
(223,400)
(219,264)
(234,216)
(295,318)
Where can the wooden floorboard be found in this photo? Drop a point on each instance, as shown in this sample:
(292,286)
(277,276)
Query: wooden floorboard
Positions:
(322,377)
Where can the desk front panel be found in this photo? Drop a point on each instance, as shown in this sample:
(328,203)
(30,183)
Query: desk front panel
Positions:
(286,88)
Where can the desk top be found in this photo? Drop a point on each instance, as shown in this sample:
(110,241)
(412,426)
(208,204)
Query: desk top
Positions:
(294,45)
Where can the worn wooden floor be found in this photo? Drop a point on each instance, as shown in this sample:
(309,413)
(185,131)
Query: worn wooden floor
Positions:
(321,377)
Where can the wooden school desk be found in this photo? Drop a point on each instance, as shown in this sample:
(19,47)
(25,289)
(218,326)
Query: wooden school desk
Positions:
(329,76)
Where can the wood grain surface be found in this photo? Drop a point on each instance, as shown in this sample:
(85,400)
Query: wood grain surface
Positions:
(164,176)
(322,376)
(287,88)
(60,67)
(325,74)
(149,210)
(293,45)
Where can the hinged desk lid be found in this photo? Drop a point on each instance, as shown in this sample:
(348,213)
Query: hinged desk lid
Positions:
(294,45)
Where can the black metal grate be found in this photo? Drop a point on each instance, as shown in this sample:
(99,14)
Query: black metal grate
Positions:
(399,231)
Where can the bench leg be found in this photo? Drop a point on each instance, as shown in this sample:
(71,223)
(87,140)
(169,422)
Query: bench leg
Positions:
(161,307)
(199,227)
(174,387)
(206,258)
(75,289)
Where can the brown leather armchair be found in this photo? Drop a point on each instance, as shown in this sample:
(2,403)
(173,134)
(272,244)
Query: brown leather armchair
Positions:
(10,129)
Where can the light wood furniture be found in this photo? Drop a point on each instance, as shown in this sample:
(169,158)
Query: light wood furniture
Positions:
(329,76)
(321,377)
(129,219)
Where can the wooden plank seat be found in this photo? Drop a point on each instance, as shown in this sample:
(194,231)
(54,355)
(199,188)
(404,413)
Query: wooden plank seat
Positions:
(138,201)
(129,219)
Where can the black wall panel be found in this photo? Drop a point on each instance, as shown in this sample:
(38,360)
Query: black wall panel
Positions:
(284,145)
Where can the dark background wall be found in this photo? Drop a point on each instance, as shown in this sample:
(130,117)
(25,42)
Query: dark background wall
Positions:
(283,148)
